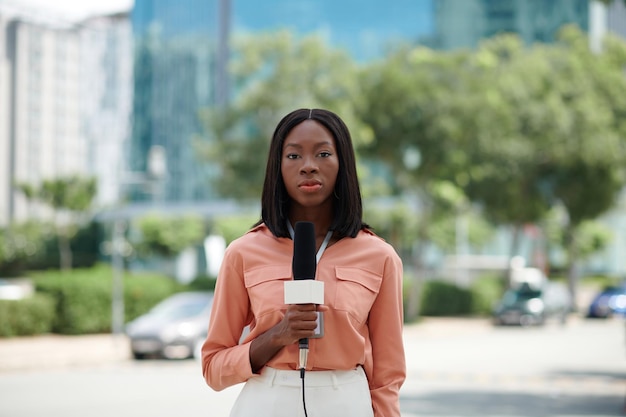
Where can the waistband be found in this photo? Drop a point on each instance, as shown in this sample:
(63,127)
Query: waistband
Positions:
(272,376)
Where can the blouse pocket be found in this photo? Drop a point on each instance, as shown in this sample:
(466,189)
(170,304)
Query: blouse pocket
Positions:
(356,291)
(266,288)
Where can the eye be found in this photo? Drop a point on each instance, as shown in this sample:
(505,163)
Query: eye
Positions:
(292,156)
(325,154)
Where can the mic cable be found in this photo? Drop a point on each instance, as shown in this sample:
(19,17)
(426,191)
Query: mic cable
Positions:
(304,353)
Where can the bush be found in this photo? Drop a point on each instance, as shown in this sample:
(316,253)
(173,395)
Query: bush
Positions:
(440,298)
(203,283)
(142,291)
(28,316)
(486,291)
(82,297)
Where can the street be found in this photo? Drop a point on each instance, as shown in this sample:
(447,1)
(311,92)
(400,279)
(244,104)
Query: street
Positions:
(455,368)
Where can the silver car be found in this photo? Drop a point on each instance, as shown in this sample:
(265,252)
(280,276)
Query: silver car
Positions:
(174,329)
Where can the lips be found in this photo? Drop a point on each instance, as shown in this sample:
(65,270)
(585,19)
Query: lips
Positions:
(309,186)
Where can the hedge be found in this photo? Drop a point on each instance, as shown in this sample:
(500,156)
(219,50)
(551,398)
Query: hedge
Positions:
(26,317)
(82,297)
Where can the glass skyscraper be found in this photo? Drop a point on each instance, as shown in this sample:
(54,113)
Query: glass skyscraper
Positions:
(180,56)
(177,64)
(464,23)
(174,65)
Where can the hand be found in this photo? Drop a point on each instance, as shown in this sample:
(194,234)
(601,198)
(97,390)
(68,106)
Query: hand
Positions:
(299,322)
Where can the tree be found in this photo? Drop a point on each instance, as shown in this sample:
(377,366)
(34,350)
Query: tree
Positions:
(273,74)
(519,130)
(19,243)
(70,198)
(412,102)
(168,236)
(588,170)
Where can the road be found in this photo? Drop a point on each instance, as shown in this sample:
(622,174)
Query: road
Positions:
(455,368)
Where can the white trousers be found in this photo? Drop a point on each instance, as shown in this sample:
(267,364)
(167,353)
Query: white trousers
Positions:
(277,393)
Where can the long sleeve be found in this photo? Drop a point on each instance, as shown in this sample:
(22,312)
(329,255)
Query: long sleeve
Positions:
(385,329)
(224,361)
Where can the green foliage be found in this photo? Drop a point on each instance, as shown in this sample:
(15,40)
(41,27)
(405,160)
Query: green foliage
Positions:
(486,291)
(19,244)
(202,283)
(395,222)
(519,130)
(142,291)
(168,236)
(71,198)
(28,316)
(85,246)
(441,298)
(73,193)
(233,226)
(82,297)
(274,73)
(601,281)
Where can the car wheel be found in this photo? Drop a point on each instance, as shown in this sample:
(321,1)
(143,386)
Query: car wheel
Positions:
(526,320)
(139,356)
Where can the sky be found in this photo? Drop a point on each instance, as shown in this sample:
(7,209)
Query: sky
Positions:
(72,9)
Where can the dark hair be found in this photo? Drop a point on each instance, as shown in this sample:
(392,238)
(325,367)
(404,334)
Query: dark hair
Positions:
(348,209)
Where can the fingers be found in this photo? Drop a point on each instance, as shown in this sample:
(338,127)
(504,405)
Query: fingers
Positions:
(300,321)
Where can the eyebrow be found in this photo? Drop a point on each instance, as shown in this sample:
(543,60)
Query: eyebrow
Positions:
(317,145)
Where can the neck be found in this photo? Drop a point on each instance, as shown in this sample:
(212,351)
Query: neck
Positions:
(321,219)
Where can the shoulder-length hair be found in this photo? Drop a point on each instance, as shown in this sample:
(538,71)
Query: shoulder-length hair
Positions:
(275,201)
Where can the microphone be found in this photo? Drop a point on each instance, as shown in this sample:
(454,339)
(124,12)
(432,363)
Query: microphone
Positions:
(304,264)
(304,289)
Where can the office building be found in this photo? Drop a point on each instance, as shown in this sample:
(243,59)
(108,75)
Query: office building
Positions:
(465,23)
(106,101)
(44,138)
(180,59)
(64,104)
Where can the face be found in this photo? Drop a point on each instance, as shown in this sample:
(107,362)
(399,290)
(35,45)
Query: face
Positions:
(309,165)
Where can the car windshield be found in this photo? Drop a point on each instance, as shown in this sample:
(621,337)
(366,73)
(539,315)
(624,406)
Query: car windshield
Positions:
(516,296)
(180,308)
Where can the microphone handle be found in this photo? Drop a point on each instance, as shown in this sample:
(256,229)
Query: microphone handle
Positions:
(303,343)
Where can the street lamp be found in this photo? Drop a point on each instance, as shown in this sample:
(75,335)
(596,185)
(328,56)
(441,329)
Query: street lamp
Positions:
(120,248)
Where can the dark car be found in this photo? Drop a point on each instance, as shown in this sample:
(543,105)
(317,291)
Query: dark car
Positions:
(529,305)
(173,329)
(608,302)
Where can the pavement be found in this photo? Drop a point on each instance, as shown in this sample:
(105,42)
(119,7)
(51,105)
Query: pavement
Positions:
(60,351)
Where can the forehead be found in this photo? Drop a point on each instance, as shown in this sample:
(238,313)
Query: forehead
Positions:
(309,131)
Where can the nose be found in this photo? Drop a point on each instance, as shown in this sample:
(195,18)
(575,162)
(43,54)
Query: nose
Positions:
(309,165)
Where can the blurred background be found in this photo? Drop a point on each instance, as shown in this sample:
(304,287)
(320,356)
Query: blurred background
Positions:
(133,138)
(135,133)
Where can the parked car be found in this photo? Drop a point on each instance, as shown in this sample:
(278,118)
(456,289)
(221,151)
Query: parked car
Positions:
(529,305)
(608,302)
(174,329)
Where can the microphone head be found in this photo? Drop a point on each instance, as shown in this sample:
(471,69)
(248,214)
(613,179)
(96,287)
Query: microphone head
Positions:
(304,262)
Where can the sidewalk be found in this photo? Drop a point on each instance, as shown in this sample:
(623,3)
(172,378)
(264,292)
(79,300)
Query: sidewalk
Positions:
(57,351)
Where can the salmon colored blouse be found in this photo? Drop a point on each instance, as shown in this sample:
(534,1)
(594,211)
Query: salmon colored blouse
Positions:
(362,286)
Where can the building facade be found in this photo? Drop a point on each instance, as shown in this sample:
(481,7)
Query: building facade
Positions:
(44,137)
(64,104)
(180,62)
(465,23)
(106,102)
(174,66)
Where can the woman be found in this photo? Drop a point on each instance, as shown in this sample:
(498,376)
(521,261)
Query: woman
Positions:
(358,366)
